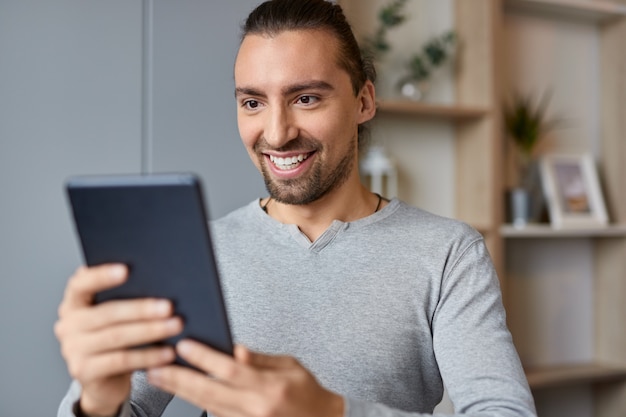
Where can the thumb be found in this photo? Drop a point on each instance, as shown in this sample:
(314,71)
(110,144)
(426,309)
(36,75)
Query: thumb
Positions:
(261,360)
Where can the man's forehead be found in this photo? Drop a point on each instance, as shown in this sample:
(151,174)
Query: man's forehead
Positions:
(313,40)
(290,56)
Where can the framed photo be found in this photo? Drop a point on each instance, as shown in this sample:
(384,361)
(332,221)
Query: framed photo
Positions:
(572,191)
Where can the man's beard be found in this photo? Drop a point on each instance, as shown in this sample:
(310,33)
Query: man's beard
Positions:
(311,186)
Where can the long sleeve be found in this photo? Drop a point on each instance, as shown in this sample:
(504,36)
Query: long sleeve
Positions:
(474,350)
(145,400)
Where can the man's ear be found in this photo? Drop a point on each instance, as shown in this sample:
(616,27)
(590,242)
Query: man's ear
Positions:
(367,101)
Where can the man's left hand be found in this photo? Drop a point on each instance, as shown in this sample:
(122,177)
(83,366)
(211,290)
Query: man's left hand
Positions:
(246,385)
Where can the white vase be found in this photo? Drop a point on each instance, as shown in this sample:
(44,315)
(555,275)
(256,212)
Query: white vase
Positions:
(520,207)
(413,89)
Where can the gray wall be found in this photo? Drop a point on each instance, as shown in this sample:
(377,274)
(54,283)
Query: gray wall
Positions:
(72,102)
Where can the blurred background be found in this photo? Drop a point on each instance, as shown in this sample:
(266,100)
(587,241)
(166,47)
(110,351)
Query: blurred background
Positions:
(92,87)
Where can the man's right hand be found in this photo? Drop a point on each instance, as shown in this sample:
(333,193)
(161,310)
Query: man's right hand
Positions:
(96,340)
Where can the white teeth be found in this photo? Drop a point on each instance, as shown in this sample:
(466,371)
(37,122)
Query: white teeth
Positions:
(289,162)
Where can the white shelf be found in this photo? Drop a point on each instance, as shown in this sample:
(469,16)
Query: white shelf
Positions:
(431,110)
(546,231)
(591,10)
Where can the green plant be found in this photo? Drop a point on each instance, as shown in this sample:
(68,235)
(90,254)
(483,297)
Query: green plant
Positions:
(389,16)
(433,54)
(526,123)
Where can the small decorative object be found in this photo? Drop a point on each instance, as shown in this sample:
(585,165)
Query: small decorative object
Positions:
(434,54)
(572,191)
(379,171)
(520,206)
(526,125)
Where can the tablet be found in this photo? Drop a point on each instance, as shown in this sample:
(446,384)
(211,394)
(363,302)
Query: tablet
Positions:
(157,225)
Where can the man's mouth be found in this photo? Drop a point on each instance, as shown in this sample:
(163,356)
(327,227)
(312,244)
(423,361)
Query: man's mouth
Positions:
(289,162)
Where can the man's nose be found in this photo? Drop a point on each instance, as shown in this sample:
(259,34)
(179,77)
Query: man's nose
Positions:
(280,127)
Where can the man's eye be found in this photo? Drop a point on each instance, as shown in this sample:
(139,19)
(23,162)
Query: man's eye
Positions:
(251,104)
(307,99)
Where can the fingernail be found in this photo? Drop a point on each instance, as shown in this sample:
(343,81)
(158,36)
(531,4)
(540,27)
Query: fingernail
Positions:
(117,272)
(173,324)
(162,307)
(184,347)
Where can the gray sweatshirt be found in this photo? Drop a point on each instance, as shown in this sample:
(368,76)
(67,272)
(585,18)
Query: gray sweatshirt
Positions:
(384,310)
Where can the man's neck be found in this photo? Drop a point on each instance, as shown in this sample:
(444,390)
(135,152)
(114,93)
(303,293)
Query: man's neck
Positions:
(345,204)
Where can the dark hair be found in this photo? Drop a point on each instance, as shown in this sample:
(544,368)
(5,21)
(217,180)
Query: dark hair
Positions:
(275,16)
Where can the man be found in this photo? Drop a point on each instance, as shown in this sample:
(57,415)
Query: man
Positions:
(341,302)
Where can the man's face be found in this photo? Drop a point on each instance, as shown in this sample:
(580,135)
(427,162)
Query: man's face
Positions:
(297,113)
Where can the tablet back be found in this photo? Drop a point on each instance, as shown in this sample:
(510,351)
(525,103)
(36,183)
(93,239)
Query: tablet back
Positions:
(157,225)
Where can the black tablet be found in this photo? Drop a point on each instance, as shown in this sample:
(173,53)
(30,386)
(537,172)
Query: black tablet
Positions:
(157,225)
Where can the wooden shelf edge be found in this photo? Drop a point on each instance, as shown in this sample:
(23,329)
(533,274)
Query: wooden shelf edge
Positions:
(594,11)
(564,375)
(424,109)
(546,231)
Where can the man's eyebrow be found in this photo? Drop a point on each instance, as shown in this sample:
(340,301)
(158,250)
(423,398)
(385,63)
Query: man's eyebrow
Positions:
(289,90)
(310,85)
(248,91)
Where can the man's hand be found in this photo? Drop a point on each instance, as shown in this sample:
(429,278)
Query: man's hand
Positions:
(96,340)
(248,385)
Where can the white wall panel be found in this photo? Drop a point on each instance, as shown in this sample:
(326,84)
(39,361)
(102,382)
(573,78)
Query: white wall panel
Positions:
(194,117)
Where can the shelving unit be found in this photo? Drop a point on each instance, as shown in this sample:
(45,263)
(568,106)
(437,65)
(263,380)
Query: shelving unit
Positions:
(480,188)
(604,373)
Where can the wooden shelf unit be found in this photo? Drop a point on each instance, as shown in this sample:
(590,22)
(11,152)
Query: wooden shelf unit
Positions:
(480,159)
(605,373)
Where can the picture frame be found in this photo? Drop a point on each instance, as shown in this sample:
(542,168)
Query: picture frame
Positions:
(572,191)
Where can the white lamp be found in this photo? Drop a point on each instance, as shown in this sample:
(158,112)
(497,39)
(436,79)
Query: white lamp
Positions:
(380,171)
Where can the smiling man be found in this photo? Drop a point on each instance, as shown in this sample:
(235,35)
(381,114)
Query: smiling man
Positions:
(298,116)
(342,303)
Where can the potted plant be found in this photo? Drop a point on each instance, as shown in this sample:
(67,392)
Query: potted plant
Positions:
(421,65)
(526,125)
(434,53)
